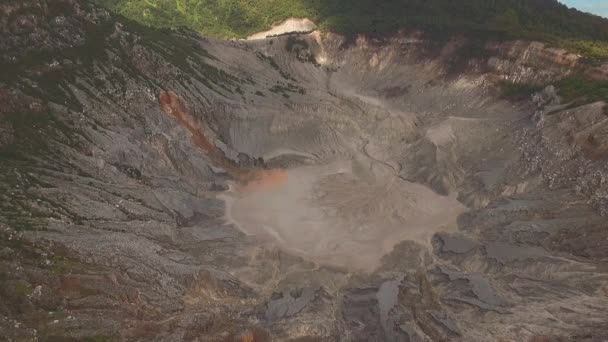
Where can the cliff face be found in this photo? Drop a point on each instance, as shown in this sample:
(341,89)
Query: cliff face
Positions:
(156,185)
(527,62)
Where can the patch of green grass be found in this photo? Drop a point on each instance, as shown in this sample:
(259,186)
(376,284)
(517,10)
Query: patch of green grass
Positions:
(61,265)
(575,90)
(37,136)
(22,289)
(290,88)
(579,90)
(518,91)
(594,51)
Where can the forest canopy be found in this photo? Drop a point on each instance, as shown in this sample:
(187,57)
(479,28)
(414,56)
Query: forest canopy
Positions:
(544,20)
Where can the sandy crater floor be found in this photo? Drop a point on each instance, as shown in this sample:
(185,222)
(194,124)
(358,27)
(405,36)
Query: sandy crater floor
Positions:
(332,216)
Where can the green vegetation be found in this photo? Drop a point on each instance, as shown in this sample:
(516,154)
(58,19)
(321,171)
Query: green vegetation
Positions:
(518,91)
(281,89)
(39,135)
(576,90)
(215,18)
(22,289)
(545,20)
(20,206)
(579,90)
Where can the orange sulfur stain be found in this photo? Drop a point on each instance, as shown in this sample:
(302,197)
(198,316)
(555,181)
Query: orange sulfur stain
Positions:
(250,180)
(265,180)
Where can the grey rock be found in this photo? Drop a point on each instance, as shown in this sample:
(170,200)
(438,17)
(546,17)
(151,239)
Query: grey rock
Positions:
(505,253)
(289,303)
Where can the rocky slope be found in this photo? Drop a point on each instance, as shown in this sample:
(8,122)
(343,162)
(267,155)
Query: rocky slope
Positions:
(157,185)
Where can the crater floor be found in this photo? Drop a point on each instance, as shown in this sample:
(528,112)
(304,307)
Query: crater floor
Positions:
(331,216)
